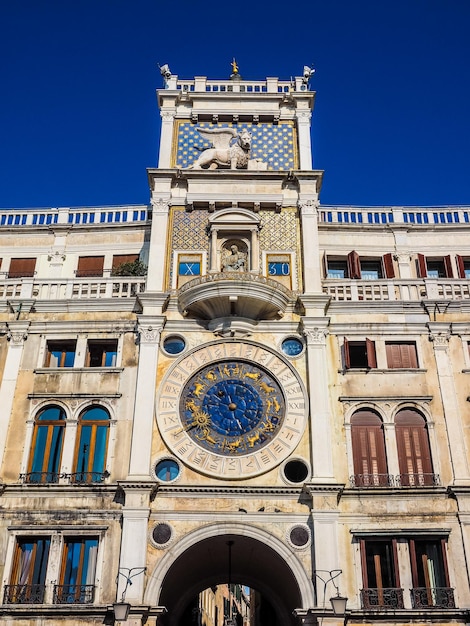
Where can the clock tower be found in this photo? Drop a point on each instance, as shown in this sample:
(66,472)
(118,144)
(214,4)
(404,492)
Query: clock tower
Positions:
(232,410)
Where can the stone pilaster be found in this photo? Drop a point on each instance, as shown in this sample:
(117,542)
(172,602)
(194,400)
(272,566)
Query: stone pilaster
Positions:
(310,246)
(17,335)
(315,333)
(149,330)
(440,336)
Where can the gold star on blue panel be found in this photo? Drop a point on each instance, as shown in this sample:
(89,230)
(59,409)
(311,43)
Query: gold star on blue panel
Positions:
(273,144)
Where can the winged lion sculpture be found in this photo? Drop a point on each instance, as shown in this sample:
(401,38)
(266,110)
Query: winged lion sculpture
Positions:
(229,148)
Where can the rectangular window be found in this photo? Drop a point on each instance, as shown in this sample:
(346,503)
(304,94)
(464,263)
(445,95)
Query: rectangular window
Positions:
(121,259)
(21,268)
(431,267)
(60,353)
(28,577)
(401,355)
(380,574)
(90,266)
(337,269)
(77,576)
(359,354)
(101,353)
(363,268)
(430,575)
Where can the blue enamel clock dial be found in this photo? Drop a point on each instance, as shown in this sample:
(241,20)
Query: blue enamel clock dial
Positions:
(232,408)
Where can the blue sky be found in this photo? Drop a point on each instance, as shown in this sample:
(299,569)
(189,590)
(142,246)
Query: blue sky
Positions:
(79,122)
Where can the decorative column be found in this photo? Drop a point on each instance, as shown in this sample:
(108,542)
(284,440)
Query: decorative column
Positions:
(166,136)
(310,246)
(149,330)
(320,413)
(440,335)
(157,252)
(17,335)
(305,145)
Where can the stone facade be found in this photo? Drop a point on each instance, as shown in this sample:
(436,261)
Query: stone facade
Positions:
(281,402)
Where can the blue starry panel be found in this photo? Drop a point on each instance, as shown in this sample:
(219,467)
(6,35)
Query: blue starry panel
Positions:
(273,144)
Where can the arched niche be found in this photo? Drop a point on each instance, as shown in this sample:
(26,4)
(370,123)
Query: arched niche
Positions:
(234,226)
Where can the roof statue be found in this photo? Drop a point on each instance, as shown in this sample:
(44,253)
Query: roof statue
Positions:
(230,148)
(234,65)
(165,72)
(307,74)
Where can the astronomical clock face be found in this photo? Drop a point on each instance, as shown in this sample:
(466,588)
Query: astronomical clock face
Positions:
(231,410)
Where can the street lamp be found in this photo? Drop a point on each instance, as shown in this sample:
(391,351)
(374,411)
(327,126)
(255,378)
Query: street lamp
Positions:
(121,609)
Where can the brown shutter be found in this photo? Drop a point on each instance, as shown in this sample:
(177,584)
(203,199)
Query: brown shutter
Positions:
(460,265)
(371,358)
(119,259)
(325,264)
(422,268)
(347,359)
(354,265)
(90,266)
(389,270)
(448,267)
(368,444)
(21,268)
(414,454)
(401,355)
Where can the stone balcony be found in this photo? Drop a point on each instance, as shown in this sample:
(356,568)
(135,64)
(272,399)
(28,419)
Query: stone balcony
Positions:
(244,295)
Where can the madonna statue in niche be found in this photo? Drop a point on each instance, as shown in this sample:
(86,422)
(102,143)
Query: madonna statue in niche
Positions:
(235,261)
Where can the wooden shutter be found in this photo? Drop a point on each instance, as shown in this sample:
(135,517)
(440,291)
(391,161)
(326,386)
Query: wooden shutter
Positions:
(422,267)
(389,270)
(371,358)
(448,267)
(368,444)
(90,266)
(347,358)
(354,265)
(401,355)
(21,268)
(460,265)
(119,259)
(414,454)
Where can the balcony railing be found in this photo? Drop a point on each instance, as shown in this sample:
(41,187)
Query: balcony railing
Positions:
(432,597)
(382,599)
(349,290)
(418,480)
(370,481)
(73,594)
(24,594)
(72,288)
(81,478)
(40,477)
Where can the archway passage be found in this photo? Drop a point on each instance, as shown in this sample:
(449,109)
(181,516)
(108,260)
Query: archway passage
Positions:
(252,563)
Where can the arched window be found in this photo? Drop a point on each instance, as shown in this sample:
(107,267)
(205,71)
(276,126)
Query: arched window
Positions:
(90,454)
(414,454)
(46,450)
(370,461)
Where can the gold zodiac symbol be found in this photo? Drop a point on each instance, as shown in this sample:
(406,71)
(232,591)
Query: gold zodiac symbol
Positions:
(253,439)
(211,376)
(253,375)
(233,445)
(266,388)
(198,389)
